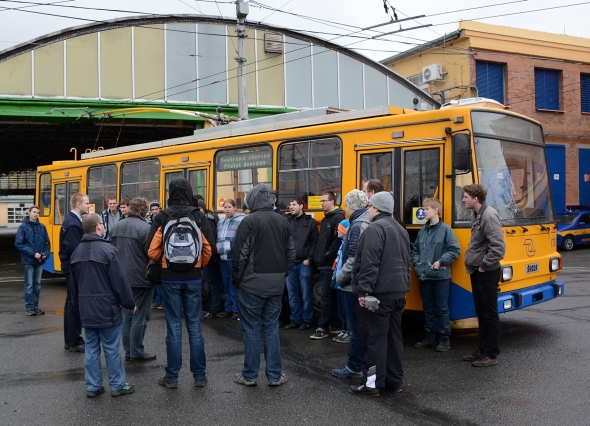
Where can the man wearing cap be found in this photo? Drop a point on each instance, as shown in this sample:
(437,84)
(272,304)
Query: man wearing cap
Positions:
(381,278)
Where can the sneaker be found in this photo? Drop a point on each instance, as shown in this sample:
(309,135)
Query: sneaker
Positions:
(206,315)
(235,316)
(200,383)
(362,390)
(223,314)
(305,326)
(443,346)
(39,311)
(92,394)
(334,330)
(243,381)
(346,373)
(154,305)
(125,390)
(426,343)
(484,361)
(343,337)
(31,312)
(473,357)
(319,334)
(127,357)
(146,357)
(292,326)
(170,385)
(282,379)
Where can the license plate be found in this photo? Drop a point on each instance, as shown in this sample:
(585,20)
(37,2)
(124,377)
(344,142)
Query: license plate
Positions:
(531,268)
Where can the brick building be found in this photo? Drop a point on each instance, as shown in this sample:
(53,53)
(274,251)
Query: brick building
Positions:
(540,75)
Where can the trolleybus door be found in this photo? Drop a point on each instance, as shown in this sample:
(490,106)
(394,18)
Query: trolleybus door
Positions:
(61,207)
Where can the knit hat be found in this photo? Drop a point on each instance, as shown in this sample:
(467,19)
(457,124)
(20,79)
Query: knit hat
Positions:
(343,226)
(382,201)
(154,203)
(356,199)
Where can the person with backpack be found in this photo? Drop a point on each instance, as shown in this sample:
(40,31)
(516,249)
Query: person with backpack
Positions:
(180,237)
(226,235)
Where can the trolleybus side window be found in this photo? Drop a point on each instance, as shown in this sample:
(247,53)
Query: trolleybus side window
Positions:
(377,166)
(421,180)
(45,194)
(102,185)
(197,178)
(308,168)
(141,179)
(237,171)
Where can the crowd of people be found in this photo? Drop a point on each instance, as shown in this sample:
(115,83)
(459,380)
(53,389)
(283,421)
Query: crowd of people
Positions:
(136,256)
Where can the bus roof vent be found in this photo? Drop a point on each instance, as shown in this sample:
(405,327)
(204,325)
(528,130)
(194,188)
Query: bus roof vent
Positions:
(474,102)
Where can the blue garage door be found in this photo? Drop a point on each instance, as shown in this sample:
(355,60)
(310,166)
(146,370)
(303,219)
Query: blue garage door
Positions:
(556,165)
(584,176)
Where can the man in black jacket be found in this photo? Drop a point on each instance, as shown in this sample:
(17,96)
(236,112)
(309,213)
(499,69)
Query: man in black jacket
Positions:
(325,253)
(131,239)
(100,288)
(70,236)
(305,237)
(381,278)
(263,254)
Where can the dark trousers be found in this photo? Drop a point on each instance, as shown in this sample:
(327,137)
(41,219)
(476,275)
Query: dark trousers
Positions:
(329,314)
(381,333)
(72,324)
(484,286)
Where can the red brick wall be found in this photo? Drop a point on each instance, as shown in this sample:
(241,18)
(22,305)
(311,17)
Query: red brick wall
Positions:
(569,127)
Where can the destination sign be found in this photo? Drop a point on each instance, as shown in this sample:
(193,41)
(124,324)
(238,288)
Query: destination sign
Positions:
(246,160)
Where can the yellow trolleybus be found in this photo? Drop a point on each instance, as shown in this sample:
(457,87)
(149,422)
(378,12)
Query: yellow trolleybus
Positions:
(416,155)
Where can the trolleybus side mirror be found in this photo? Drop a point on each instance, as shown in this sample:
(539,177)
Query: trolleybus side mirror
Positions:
(461,151)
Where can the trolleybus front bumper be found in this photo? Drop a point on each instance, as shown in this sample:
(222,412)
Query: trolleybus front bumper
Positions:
(529,296)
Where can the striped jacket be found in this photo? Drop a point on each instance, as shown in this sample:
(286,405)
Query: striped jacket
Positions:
(226,235)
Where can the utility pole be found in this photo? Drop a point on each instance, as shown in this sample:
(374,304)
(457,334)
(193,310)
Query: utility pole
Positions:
(242,9)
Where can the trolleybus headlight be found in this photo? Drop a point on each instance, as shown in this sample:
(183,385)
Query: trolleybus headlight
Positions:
(507,304)
(555,264)
(506,273)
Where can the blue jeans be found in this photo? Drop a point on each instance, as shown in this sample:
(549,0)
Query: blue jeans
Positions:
(213,275)
(175,298)
(134,325)
(230,291)
(435,302)
(329,314)
(299,280)
(110,338)
(157,294)
(256,311)
(356,351)
(32,285)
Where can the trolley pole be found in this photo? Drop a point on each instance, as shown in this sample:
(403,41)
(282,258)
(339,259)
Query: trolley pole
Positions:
(242,9)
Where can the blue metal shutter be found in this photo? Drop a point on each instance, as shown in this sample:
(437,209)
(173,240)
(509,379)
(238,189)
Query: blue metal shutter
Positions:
(585,92)
(547,89)
(490,80)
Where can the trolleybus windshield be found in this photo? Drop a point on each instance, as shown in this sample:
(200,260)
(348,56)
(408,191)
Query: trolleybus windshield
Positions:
(514,172)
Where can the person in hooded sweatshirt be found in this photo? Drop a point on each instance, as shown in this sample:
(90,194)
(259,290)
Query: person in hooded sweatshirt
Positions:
(182,288)
(262,256)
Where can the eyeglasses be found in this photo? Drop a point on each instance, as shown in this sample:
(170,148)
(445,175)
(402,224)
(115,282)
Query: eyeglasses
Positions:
(324,201)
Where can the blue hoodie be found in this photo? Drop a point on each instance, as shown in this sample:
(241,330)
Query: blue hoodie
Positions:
(31,238)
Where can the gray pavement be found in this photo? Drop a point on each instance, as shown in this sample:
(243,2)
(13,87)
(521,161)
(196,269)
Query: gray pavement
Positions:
(542,377)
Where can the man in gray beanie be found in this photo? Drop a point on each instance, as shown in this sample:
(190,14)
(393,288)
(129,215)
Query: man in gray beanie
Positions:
(381,278)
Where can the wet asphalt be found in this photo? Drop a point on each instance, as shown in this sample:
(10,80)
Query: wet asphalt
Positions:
(542,377)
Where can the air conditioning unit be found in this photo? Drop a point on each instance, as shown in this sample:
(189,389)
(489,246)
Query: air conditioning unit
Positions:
(432,72)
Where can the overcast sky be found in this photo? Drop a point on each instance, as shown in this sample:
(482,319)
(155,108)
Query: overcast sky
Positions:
(328,19)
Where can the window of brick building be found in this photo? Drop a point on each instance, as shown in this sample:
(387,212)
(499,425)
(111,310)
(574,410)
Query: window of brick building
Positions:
(585,92)
(490,80)
(547,89)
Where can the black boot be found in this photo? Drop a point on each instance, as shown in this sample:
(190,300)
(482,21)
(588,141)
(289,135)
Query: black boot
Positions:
(444,342)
